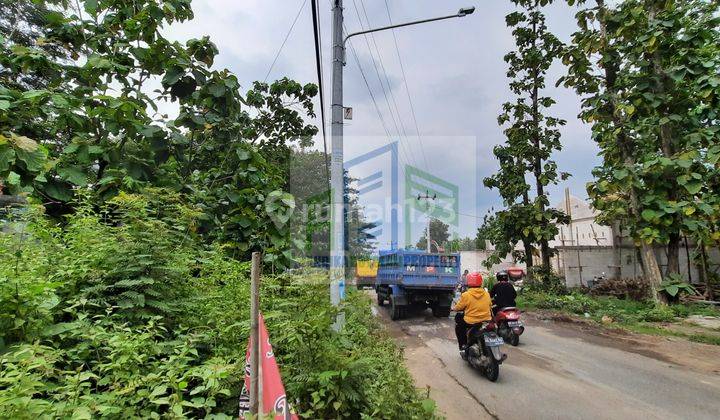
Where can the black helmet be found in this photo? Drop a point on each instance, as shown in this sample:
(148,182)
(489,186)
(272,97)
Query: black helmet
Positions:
(502,276)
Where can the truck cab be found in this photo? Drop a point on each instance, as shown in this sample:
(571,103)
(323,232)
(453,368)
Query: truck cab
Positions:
(413,278)
(365,273)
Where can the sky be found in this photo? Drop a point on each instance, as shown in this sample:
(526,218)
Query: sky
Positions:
(454,73)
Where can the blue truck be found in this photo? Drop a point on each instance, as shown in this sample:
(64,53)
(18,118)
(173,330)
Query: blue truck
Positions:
(411,278)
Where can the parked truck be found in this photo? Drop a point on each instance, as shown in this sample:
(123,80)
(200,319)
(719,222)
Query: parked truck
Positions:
(365,273)
(408,278)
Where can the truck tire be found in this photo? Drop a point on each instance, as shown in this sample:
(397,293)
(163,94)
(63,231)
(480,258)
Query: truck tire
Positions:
(395,310)
(380,299)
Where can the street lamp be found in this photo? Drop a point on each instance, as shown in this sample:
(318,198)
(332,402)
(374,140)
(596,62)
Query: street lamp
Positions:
(337,232)
(461,13)
(466,11)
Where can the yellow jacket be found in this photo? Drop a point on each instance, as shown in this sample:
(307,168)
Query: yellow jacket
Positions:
(476,304)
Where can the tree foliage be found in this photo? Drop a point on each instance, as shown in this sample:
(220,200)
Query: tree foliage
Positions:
(648,72)
(439,232)
(532,136)
(95,122)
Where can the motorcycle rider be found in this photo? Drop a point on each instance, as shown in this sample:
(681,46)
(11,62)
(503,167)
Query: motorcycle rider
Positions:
(463,280)
(503,292)
(476,304)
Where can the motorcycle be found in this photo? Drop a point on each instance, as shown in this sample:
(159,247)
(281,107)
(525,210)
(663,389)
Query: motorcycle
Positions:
(509,325)
(483,350)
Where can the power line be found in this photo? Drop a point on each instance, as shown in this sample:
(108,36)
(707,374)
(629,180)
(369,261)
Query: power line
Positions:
(285,40)
(377,72)
(470,215)
(387,81)
(407,89)
(321,84)
(367,85)
(372,96)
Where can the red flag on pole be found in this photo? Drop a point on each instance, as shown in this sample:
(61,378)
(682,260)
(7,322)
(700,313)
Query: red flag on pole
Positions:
(273,390)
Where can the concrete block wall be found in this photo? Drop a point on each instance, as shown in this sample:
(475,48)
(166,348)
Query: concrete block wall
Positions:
(473,261)
(598,260)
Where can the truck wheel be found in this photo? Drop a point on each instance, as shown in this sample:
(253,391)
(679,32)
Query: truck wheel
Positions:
(381,299)
(395,310)
(441,311)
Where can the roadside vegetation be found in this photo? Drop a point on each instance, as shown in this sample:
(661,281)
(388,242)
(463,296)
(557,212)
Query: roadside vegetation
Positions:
(642,316)
(123,312)
(143,177)
(646,73)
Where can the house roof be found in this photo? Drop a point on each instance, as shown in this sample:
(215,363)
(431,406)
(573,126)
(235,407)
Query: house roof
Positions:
(579,209)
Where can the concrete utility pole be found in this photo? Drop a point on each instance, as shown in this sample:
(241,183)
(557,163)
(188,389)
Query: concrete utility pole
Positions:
(427,197)
(337,181)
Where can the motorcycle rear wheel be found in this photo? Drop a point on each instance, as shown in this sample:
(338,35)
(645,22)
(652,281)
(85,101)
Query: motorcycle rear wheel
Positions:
(492,370)
(514,339)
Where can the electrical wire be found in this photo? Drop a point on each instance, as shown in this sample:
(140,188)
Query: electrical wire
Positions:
(380,79)
(321,84)
(407,89)
(387,82)
(375,66)
(297,16)
(372,96)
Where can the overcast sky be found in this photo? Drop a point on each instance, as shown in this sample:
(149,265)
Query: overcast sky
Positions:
(455,74)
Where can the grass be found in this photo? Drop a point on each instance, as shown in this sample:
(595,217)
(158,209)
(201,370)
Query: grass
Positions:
(639,317)
(705,339)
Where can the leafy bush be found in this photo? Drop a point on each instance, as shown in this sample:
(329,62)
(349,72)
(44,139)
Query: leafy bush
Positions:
(621,310)
(28,296)
(548,282)
(99,367)
(659,313)
(124,313)
(674,286)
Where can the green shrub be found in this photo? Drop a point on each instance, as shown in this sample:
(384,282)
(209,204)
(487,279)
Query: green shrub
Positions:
(547,282)
(658,314)
(98,367)
(674,286)
(123,313)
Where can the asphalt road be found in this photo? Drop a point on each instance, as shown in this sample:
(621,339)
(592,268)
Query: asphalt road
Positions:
(564,370)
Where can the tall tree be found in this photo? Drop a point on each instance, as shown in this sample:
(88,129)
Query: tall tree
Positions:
(22,24)
(648,74)
(532,136)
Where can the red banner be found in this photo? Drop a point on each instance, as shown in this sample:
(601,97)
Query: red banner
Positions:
(273,390)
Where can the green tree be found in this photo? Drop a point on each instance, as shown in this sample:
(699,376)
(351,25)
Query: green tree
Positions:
(532,137)
(22,24)
(439,232)
(648,74)
(308,183)
(93,124)
(463,244)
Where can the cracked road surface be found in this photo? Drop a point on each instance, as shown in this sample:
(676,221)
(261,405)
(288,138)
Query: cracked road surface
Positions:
(564,370)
